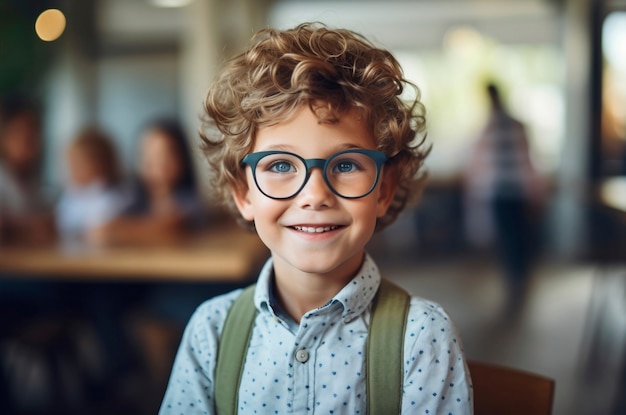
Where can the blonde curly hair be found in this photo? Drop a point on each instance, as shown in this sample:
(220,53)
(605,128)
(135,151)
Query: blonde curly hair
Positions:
(313,64)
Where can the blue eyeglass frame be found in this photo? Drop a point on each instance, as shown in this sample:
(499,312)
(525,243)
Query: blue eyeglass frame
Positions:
(253,159)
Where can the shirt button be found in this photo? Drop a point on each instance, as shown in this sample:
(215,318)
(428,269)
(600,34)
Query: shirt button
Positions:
(302,356)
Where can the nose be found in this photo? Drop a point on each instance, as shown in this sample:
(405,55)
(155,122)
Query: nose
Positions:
(316,194)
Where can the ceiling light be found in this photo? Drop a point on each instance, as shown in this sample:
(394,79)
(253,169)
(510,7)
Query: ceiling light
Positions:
(170,3)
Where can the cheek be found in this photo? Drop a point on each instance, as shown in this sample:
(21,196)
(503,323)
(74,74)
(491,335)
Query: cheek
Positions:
(175,171)
(74,173)
(255,206)
(266,209)
(267,212)
(153,170)
(364,215)
(167,172)
(14,148)
(81,173)
(371,222)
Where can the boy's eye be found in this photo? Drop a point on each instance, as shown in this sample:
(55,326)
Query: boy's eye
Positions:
(345,166)
(282,167)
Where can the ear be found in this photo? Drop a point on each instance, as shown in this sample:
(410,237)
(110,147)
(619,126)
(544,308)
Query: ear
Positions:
(241,196)
(387,190)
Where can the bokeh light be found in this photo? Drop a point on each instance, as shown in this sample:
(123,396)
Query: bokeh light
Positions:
(50,25)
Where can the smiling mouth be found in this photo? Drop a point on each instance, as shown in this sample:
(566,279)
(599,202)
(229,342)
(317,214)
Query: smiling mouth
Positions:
(315,229)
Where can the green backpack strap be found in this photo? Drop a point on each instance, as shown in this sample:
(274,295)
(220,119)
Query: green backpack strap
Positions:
(231,351)
(385,348)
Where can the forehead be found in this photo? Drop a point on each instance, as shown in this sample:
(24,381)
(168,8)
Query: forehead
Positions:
(157,140)
(312,132)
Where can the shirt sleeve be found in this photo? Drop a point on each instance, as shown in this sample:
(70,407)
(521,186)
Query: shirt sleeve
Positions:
(436,378)
(191,385)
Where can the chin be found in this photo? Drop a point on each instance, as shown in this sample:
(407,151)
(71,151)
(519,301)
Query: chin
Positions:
(314,267)
(323,265)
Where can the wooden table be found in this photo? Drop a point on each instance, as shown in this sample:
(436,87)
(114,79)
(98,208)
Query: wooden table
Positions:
(128,301)
(228,254)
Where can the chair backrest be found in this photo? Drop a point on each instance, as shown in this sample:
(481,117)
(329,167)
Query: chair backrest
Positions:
(501,390)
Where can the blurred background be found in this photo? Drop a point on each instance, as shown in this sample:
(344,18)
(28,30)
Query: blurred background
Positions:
(520,234)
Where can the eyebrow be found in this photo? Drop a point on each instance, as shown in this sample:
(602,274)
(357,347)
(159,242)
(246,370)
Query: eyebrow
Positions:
(286,147)
(279,147)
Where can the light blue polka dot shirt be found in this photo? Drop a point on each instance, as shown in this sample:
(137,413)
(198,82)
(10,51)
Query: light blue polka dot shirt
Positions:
(318,366)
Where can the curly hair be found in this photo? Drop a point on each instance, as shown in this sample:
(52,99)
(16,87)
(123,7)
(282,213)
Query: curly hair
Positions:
(313,64)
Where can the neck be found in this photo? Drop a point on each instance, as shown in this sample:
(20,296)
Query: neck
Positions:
(300,292)
(160,193)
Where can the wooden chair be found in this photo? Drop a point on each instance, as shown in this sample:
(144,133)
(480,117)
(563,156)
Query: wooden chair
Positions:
(504,391)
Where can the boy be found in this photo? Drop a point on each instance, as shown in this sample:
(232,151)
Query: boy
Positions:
(316,151)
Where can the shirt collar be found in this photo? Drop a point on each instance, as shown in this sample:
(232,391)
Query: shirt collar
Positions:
(355,297)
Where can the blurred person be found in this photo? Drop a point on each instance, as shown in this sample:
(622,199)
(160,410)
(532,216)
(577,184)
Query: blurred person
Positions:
(92,196)
(503,186)
(25,214)
(34,330)
(152,209)
(164,206)
(164,202)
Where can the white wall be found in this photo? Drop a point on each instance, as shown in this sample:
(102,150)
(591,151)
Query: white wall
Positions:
(132,90)
(68,105)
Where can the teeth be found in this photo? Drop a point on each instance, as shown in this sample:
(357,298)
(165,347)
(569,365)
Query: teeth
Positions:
(311,229)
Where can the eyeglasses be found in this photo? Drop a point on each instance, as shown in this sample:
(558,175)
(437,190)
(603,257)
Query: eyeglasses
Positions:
(350,174)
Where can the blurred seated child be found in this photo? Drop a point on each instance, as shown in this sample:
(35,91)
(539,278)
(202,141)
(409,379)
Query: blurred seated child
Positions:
(92,196)
(24,209)
(164,206)
(165,203)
